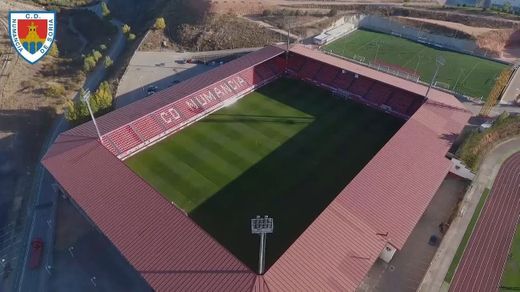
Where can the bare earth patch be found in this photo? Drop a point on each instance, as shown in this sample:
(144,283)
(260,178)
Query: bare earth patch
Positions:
(471,30)
(504,43)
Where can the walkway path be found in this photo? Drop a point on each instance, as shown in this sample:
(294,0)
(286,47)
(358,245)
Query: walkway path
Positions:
(433,281)
(272,28)
(484,258)
(513,89)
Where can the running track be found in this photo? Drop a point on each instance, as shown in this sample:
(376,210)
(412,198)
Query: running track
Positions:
(483,261)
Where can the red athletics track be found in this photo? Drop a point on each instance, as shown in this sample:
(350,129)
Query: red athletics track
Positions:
(483,261)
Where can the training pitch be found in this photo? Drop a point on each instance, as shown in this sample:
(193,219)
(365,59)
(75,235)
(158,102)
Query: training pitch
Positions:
(469,75)
(285,150)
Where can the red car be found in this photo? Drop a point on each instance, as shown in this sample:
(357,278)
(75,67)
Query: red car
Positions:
(36,253)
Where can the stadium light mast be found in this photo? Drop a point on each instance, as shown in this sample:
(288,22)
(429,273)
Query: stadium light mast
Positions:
(262,226)
(288,24)
(439,61)
(85,96)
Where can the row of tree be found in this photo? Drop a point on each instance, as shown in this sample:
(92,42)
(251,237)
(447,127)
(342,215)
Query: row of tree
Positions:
(90,61)
(101,102)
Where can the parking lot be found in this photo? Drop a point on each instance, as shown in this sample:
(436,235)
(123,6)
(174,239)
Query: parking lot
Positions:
(149,72)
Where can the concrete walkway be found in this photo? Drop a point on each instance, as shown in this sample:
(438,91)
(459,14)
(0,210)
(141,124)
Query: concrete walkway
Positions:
(512,90)
(433,281)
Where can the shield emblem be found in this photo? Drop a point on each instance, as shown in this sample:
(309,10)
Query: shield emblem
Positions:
(32,33)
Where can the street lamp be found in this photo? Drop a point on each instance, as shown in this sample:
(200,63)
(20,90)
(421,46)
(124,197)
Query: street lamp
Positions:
(85,96)
(262,226)
(439,61)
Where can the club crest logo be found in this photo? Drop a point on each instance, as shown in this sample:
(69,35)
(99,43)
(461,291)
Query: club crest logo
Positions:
(32,33)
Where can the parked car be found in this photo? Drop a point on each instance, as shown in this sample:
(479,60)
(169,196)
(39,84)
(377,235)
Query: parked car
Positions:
(36,254)
(151,89)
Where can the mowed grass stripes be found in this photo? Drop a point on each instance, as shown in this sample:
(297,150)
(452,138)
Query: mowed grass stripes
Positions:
(285,150)
(188,168)
(466,74)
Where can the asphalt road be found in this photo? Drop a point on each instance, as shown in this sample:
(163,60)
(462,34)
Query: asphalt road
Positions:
(513,90)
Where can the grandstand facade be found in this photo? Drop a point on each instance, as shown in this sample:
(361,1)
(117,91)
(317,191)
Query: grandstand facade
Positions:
(373,215)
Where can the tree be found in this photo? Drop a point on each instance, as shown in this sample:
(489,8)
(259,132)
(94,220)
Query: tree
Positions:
(126,28)
(160,23)
(103,47)
(507,7)
(89,63)
(108,62)
(55,90)
(100,102)
(104,9)
(70,111)
(96,55)
(131,36)
(54,52)
(103,98)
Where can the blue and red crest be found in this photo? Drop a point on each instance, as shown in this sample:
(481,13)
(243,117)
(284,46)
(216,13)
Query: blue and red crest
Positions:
(32,33)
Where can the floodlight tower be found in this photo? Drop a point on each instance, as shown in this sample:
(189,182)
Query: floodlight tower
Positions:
(85,96)
(262,226)
(439,61)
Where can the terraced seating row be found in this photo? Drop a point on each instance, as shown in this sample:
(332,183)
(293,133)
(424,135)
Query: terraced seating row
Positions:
(327,74)
(379,93)
(373,91)
(310,69)
(296,62)
(167,119)
(124,138)
(401,101)
(278,64)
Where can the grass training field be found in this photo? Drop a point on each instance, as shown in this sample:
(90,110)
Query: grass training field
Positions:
(511,276)
(285,151)
(469,75)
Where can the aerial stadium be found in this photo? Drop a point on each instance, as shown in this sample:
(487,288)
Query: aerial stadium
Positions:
(344,158)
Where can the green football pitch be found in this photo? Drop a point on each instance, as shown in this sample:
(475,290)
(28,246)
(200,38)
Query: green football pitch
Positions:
(466,74)
(285,150)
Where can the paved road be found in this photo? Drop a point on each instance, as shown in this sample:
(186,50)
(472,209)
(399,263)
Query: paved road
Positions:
(42,215)
(485,256)
(513,90)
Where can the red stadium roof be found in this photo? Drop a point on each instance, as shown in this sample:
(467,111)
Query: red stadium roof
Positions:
(335,252)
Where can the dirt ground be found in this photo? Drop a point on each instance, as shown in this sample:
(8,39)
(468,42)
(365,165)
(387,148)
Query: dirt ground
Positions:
(254,7)
(471,30)
(503,42)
